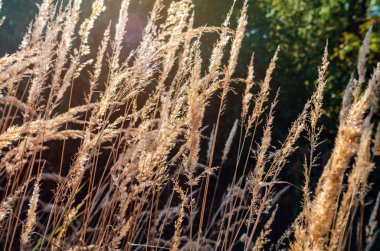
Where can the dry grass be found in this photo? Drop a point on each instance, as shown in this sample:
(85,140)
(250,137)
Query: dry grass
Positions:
(139,178)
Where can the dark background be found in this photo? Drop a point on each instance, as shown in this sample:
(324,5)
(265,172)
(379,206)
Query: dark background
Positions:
(300,27)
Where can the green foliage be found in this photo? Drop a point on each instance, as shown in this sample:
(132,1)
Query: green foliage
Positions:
(302,28)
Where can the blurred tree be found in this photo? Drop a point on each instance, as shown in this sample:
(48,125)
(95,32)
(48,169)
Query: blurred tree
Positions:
(18,14)
(301,28)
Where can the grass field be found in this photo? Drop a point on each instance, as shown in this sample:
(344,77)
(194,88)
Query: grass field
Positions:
(105,152)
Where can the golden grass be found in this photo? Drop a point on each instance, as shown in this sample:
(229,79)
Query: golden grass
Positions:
(139,178)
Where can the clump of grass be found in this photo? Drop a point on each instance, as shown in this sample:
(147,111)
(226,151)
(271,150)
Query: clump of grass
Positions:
(138,178)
